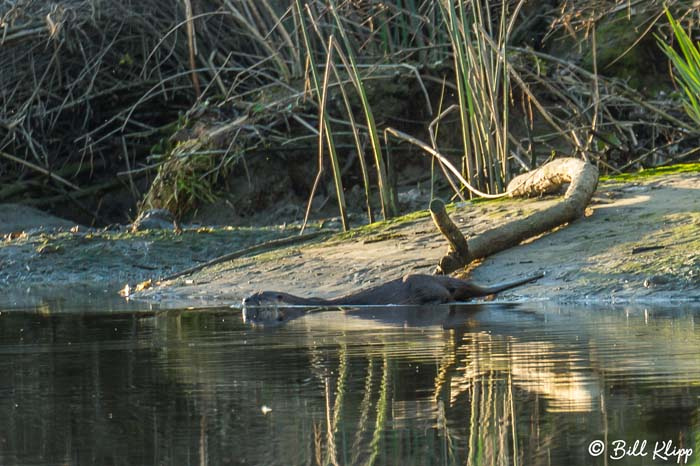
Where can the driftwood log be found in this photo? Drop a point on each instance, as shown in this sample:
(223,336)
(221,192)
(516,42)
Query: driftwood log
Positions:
(582,178)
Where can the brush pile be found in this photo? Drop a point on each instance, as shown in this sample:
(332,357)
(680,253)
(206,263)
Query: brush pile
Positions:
(86,86)
(162,100)
(91,91)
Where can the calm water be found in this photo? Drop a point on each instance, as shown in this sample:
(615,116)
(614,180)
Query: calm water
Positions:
(489,384)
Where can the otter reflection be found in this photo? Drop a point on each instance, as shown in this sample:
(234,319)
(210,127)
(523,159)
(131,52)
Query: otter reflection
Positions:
(416,289)
(446,316)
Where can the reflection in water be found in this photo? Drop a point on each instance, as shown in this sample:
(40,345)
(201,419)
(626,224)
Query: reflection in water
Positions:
(489,384)
(538,367)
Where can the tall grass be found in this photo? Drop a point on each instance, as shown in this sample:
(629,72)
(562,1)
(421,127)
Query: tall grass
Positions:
(349,66)
(483,87)
(386,194)
(251,63)
(482,77)
(324,124)
(243,56)
(686,66)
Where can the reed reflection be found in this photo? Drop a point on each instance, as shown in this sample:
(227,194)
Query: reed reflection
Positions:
(462,384)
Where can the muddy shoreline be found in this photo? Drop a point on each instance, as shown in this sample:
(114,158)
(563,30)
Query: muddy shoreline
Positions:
(640,243)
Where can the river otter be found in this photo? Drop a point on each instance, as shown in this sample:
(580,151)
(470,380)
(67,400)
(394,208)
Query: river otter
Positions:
(415,289)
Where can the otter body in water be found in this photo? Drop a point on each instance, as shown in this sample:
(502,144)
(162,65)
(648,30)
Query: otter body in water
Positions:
(409,290)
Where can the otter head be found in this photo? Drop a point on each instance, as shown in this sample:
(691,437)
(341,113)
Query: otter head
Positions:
(263,308)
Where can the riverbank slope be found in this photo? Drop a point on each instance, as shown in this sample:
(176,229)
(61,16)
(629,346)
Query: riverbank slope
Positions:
(640,241)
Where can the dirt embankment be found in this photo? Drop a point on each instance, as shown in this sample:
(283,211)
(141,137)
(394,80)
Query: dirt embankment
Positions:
(640,243)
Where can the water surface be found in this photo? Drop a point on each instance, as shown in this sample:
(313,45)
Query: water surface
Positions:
(479,384)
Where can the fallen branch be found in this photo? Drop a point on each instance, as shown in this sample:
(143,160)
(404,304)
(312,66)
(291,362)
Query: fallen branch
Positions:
(458,252)
(582,178)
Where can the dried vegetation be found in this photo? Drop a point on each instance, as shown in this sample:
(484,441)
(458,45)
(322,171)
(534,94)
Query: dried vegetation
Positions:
(174,102)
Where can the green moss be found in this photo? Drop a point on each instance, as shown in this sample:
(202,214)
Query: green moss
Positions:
(377,227)
(127,256)
(47,248)
(483,200)
(651,172)
(680,232)
(263,257)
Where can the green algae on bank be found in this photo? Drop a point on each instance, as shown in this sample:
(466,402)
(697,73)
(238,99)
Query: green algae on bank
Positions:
(381,226)
(653,172)
(677,260)
(377,231)
(117,257)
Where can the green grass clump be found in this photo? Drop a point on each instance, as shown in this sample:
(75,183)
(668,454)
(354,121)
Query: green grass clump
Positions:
(686,66)
(651,172)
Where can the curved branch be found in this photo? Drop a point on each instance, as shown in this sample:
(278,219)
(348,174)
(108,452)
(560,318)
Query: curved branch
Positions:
(583,180)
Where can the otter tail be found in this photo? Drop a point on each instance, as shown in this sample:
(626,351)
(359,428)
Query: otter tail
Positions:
(471,290)
(512,284)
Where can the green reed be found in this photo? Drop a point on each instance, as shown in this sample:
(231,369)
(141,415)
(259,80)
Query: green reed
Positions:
(324,124)
(386,195)
(483,86)
(686,66)
(357,138)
